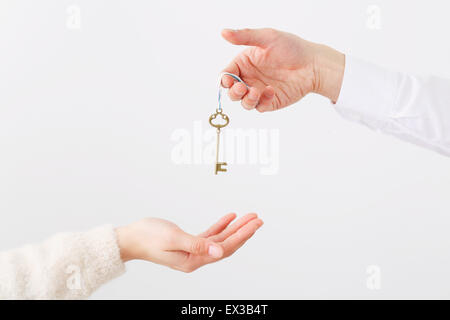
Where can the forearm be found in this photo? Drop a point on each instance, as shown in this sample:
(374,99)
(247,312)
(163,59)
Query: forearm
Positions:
(66,266)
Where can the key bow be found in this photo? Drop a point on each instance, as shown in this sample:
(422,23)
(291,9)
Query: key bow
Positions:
(223,116)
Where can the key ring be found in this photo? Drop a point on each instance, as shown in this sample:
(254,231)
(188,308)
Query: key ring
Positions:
(235,77)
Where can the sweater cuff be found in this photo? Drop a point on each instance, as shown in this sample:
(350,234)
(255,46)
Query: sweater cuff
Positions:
(101,256)
(368,93)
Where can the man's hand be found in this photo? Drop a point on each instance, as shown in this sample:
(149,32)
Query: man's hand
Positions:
(163,242)
(280,69)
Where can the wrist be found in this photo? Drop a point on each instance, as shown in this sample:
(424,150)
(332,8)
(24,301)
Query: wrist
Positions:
(124,243)
(329,72)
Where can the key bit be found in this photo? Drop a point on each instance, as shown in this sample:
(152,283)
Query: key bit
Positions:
(219,167)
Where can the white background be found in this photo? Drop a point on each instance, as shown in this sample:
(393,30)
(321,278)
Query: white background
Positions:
(87,115)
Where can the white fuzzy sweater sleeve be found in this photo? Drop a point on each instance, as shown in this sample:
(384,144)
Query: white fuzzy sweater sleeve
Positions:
(66,266)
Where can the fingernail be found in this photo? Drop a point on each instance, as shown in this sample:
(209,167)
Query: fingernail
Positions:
(230,30)
(214,252)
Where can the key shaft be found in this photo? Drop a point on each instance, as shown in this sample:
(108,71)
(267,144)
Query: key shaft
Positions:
(220,166)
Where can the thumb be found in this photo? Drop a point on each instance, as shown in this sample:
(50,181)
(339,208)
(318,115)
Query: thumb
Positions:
(199,246)
(249,37)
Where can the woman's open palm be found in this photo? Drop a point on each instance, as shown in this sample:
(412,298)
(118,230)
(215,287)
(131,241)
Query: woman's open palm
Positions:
(163,242)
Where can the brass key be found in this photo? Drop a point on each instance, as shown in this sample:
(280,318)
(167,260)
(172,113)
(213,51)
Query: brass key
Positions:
(220,166)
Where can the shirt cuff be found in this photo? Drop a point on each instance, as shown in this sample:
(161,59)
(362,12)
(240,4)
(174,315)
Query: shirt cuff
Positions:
(368,93)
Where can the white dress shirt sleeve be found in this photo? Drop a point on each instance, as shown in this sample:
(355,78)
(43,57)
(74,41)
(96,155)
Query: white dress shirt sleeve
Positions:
(413,108)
